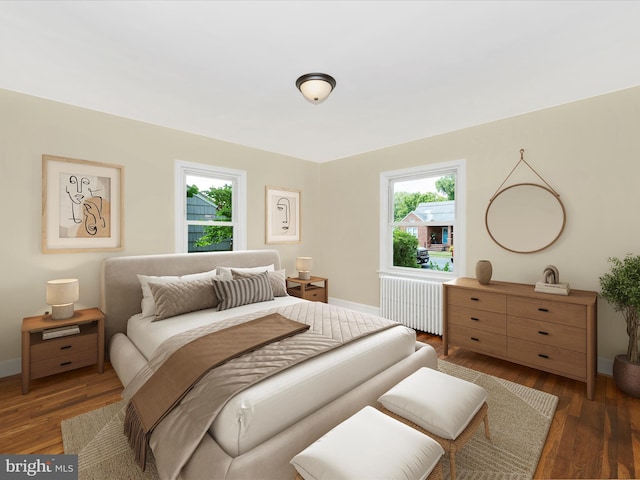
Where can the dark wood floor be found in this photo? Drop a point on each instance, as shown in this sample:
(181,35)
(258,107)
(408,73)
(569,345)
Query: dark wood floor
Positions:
(587,440)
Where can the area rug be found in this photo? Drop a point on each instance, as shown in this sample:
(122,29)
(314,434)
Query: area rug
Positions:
(519,419)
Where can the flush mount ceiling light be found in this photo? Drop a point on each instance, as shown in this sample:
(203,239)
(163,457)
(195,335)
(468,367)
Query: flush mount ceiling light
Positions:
(316,87)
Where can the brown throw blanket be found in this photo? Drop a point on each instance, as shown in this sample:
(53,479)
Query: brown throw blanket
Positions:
(187,365)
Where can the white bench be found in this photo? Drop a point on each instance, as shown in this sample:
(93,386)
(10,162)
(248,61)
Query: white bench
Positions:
(446,408)
(370,445)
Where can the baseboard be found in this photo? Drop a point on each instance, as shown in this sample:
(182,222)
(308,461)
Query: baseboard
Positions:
(358,307)
(13,366)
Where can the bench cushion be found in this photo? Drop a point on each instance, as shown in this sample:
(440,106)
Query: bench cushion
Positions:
(439,403)
(369,445)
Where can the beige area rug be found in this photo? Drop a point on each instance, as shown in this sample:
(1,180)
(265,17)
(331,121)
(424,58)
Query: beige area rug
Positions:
(519,419)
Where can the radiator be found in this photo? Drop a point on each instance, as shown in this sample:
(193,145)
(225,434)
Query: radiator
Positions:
(414,303)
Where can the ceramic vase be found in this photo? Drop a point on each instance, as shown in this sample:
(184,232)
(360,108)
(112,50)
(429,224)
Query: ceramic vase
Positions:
(484,270)
(627,376)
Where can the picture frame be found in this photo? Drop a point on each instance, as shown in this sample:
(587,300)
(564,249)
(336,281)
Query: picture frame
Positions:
(282,216)
(82,206)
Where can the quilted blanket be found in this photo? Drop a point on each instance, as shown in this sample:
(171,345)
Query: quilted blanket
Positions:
(176,438)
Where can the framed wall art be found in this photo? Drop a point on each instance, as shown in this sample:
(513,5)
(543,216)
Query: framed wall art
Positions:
(283,215)
(82,206)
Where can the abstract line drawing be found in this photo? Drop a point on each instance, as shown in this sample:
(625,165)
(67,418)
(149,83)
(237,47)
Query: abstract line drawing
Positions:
(282,215)
(82,205)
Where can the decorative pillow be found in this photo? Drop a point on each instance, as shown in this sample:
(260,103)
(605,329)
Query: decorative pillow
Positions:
(148,305)
(277,279)
(174,298)
(225,272)
(234,293)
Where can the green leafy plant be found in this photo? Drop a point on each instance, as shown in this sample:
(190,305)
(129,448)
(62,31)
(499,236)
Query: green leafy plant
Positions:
(621,288)
(404,249)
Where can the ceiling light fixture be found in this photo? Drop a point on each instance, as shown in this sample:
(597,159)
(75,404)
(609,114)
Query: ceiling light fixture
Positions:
(316,87)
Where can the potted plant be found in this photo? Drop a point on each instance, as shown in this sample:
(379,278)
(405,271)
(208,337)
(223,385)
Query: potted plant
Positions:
(621,288)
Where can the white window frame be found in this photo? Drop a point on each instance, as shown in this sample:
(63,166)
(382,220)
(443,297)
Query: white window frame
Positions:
(238,179)
(387,180)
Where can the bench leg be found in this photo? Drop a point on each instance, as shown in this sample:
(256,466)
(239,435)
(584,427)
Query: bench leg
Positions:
(452,462)
(486,426)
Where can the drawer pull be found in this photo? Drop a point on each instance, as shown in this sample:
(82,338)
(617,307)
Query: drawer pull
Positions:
(543,309)
(542,355)
(543,333)
(65,347)
(475,299)
(475,319)
(65,363)
(475,339)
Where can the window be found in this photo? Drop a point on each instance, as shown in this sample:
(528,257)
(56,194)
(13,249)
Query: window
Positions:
(422,220)
(210,208)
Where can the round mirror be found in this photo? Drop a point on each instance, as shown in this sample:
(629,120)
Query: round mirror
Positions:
(525,218)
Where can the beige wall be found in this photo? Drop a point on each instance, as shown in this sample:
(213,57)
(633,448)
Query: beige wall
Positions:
(587,151)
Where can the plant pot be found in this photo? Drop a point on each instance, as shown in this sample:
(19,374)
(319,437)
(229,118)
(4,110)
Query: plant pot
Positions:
(627,375)
(484,270)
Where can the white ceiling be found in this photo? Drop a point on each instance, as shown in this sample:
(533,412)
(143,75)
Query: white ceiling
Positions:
(404,70)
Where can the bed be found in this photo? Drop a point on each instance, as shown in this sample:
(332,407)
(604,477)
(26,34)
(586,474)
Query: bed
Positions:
(258,431)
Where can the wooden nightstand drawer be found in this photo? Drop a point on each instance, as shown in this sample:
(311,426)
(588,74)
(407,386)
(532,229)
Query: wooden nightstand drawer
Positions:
(315,294)
(44,350)
(492,302)
(69,361)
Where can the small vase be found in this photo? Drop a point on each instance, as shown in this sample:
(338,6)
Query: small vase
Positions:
(484,270)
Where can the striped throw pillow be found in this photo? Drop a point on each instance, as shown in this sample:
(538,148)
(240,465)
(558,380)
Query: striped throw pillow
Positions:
(243,291)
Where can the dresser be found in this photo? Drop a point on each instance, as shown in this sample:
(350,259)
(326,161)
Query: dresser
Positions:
(554,333)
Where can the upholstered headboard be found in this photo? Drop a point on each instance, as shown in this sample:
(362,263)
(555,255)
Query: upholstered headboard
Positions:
(120,291)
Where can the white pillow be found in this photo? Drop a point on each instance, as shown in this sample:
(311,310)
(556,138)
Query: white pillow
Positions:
(438,402)
(225,272)
(148,304)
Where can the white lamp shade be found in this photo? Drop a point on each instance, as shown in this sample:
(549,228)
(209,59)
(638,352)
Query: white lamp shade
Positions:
(303,266)
(316,91)
(63,291)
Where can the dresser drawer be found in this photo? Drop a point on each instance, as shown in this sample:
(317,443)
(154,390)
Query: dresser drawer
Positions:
(71,360)
(547,310)
(491,302)
(478,340)
(548,357)
(49,350)
(468,317)
(564,336)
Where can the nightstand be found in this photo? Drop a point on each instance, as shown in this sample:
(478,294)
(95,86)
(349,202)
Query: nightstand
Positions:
(41,358)
(309,289)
